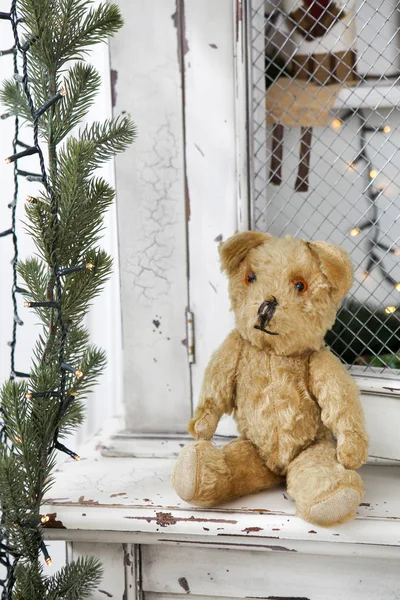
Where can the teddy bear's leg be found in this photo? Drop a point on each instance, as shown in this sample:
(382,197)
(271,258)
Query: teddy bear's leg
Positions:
(325,492)
(205,475)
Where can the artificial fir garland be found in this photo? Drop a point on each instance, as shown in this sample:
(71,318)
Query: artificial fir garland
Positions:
(65,220)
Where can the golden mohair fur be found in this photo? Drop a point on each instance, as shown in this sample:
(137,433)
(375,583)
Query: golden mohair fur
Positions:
(296,407)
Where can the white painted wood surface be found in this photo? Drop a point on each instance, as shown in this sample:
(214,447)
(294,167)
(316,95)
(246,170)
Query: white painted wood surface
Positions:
(125,512)
(115,561)
(121,499)
(152,218)
(211,169)
(280,574)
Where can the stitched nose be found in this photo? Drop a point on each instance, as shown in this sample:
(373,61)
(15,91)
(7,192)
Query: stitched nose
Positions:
(266,311)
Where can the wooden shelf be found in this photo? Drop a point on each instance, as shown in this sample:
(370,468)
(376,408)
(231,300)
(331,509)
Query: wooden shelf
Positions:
(132,500)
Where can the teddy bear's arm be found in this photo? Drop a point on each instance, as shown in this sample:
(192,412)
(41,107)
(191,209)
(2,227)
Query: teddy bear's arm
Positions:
(338,396)
(217,392)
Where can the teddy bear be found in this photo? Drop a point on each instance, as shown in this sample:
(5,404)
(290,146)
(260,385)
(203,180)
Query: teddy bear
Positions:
(296,406)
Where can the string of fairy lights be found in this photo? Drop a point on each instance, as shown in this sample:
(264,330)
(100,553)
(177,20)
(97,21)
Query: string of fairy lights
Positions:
(20,51)
(370,223)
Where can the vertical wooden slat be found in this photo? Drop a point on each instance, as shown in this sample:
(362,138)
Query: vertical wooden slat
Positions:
(211,168)
(112,558)
(152,217)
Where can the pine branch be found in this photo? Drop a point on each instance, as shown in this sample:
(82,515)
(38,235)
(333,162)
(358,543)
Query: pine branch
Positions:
(81,83)
(75,581)
(65,222)
(77,35)
(109,138)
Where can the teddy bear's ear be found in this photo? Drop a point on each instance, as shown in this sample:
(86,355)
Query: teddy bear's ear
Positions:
(336,265)
(236,248)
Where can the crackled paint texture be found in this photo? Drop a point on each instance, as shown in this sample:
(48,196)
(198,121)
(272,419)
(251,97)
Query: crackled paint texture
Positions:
(152,219)
(159,213)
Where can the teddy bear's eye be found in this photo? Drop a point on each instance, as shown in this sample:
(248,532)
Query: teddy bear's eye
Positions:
(250,277)
(300,284)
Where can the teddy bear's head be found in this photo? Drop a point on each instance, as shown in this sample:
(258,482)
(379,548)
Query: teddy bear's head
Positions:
(285,292)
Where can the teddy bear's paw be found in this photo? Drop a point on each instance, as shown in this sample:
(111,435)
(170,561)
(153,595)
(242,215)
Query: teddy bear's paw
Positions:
(352,449)
(184,478)
(203,427)
(338,507)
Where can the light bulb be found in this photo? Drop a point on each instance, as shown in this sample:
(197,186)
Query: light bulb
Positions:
(89,266)
(63,92)
(45,519)
(7,161)
(49,561)
(79,373)
(397,286)
(77,458)
(390,309)
(336,124)
(27,304)
(396,251)
(30,199)
(28,395)
(373,173)
(355,231)
(387,129)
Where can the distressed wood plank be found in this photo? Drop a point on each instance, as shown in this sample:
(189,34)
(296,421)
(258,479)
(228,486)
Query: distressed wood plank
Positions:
(282,574)
(152,218)
(112,558)
(134,497)
(211,170)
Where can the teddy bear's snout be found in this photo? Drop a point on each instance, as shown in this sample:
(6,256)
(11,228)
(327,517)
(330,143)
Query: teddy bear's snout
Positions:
(266,311)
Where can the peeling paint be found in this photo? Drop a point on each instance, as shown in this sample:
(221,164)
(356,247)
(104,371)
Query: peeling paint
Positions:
(178,19)
(199,149)
(239,17)
(165,519)
(90,502)
(275,598)
(52,523)
(105,593)
(127,558)
(184,584)
(250,529)
(187,196)
(259,537)
(114,79)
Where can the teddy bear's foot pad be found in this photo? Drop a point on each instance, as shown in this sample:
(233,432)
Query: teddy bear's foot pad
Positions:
(185,473)
(337,508)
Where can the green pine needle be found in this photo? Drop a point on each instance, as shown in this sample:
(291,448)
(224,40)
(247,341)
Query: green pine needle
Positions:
(62,31)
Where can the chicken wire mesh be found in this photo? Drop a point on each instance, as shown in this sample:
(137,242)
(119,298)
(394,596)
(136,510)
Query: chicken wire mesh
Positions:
(325,139)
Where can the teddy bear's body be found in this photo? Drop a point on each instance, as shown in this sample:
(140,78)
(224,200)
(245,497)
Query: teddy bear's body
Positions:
(296,407)
(271,400)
